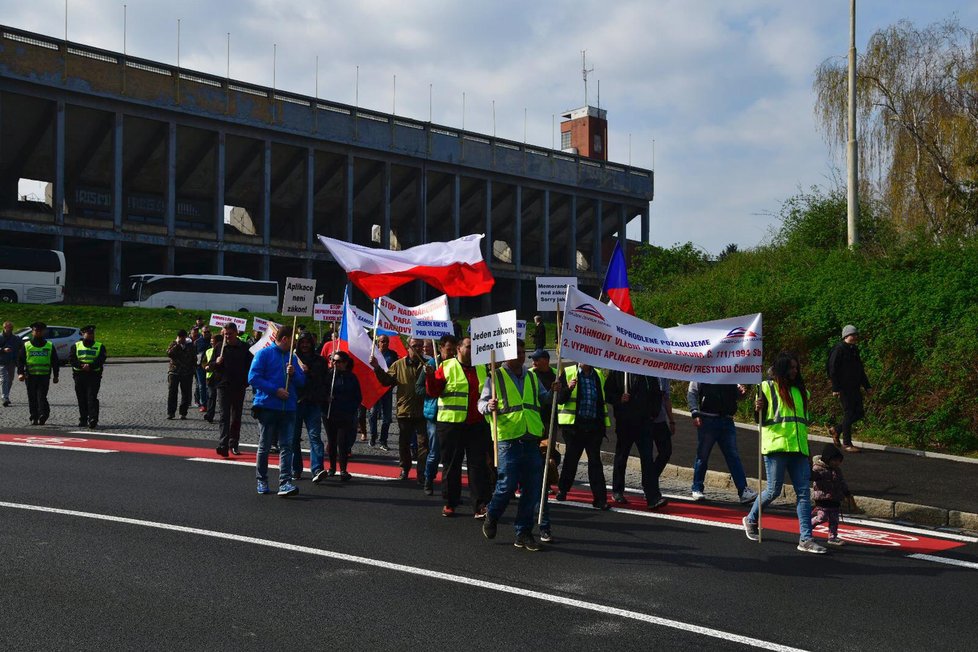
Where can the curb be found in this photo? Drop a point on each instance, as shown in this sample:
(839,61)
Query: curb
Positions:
(869,445)
(890,510)
(135,360)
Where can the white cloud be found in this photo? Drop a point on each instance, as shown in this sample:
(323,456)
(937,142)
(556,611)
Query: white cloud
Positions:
(724,88)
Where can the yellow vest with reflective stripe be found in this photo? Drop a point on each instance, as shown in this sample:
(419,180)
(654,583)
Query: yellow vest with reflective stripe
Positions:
(38,358)
(208,354)
(453,404)
(567,412)
(785,428)
(87,355)
(517,414)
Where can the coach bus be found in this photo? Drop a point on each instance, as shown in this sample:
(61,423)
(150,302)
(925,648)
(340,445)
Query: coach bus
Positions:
(31,275)
(201,292)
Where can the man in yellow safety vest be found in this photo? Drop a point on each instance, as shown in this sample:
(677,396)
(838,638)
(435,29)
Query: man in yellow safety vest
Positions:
(583,419)
(37,365)
(87,358)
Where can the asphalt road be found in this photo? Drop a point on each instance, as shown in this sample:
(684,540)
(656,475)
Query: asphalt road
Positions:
(205,563)
(133,401)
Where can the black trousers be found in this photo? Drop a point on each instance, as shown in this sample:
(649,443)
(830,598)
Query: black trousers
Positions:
(211,403)
(231,400)
(185,385)
(340,433)
(466,441)
(87,385)
(852,411)
(409,428)
(584,436)
(37,396)
(654,443)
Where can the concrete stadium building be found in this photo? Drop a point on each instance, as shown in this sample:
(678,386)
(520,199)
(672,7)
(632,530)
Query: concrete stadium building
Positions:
(156,169)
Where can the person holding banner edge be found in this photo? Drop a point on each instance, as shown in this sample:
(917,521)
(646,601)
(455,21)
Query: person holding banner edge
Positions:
(520,428)
(783,404)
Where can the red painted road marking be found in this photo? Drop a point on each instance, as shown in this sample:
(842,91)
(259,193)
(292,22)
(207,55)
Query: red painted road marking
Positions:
(853,534)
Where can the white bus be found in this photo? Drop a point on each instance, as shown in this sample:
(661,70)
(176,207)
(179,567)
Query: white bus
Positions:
(201,292)
(31,275)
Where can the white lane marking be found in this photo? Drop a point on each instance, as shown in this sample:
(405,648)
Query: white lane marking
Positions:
(56,447)
(604,610)
(945,560)
(111,434)
(252,465)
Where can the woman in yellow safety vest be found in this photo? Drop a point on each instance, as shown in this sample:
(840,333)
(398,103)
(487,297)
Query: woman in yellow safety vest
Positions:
(783,405)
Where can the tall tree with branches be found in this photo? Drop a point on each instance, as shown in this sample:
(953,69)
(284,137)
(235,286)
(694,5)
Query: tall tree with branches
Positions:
(917,102)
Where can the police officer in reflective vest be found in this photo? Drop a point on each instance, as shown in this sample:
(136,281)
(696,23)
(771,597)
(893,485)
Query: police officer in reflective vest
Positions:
(519,397)
(583,420)
(37,363)
(87,359)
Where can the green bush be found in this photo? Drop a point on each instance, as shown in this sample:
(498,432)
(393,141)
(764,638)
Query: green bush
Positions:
(916,306)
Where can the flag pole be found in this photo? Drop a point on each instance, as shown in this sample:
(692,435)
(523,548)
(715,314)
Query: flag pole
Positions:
(760,467)
(332,381)
(551,432)
(495,425)
(373,338)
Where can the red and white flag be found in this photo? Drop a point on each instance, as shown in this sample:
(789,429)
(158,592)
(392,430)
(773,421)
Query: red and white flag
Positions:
(354,340)
(456,267)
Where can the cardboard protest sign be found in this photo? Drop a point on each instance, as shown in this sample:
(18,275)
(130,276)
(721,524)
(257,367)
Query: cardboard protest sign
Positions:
(494,333)
(551,291)
(726,351)
(300,296)
(327,312)
(521,329)
(427,320)
(223,320)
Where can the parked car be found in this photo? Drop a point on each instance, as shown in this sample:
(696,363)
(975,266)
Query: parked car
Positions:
(63,338)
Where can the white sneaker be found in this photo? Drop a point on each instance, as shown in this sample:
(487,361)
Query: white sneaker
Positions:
(748,496)
(750,529)
(809,545)
(698,496)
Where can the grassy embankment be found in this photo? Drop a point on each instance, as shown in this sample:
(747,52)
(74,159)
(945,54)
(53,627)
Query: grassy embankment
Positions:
(917,309)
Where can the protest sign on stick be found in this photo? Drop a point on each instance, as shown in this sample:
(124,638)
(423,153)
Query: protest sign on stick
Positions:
(299,299)
(224,320)
(553,425)
(552,291)
(494,333)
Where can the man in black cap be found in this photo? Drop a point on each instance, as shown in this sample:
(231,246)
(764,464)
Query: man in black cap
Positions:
(36,364)
(87,359)
(848,378)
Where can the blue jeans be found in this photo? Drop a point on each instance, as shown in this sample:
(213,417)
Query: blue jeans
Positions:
(384,407)
(519,464)
(277,426)
(434,453)
(201,393)
(800,471)
(311,415)
(722,432)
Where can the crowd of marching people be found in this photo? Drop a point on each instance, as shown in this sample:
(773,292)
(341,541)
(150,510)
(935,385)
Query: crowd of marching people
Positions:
(445,406)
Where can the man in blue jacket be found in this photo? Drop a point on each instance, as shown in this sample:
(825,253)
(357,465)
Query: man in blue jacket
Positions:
(275,376)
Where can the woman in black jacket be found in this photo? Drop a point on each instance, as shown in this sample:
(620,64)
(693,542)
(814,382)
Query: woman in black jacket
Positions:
(340,414)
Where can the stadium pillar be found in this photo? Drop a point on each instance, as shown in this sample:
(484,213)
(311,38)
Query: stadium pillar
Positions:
(220,171)
(171,259)
(58,192)
(572,263)
(117,180)
(598,229)
(645,224)
(517,247)
(171,187)
(310,209)
(422,194)
(546,231)
(487,242)
(385,224)
(456,222)
(266,198)
(349,197)
(622,227)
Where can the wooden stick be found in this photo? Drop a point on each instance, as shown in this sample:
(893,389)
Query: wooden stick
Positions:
(551,432)
(373,338)
(495,425)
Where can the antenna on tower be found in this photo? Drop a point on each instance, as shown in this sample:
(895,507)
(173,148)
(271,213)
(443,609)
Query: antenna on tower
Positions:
(585,70)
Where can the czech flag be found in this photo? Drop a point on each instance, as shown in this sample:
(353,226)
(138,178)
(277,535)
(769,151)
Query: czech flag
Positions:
(355,341)
(456,268)
(616,281)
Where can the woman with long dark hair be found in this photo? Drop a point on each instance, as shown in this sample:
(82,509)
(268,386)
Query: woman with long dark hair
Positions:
(783,403)
(340,414)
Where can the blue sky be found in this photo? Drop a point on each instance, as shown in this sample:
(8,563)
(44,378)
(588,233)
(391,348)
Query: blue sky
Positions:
(724,87)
